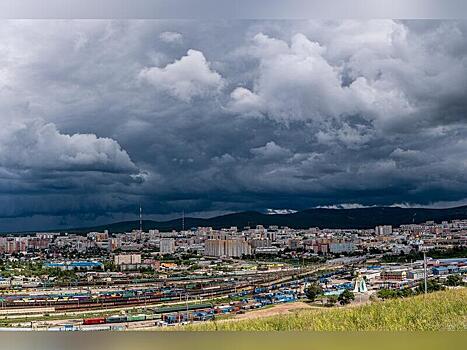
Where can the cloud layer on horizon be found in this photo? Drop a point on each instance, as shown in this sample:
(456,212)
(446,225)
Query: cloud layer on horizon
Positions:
(99,116)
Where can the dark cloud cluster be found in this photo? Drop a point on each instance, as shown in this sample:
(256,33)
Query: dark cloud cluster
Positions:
(209,117)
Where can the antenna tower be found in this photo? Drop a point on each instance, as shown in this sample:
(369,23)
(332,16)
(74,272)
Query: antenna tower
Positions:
(183,220)
(140,219)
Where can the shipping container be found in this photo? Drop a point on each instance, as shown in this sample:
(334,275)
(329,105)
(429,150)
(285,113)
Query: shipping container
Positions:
(97,320)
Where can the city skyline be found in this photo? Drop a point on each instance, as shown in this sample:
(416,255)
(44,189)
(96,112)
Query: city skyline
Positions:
(203,165)
(212,117)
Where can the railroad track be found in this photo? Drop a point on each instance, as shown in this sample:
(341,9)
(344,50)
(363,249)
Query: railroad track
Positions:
(263,280)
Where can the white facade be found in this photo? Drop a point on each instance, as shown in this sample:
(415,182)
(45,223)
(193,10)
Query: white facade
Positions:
(227,247)
(383,230)
(167,246)
(127,259)
(341,247)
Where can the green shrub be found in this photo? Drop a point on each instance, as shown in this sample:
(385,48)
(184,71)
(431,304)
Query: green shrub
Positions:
(313,290)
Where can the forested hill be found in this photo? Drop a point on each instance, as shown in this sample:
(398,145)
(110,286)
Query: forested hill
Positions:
(322,218)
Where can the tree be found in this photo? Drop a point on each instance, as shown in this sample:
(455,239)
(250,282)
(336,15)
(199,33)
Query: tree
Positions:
(407,292)
(386,294)
(432,286)
(454,280)
(110,266)
(346,297)
(313,290)
(331,300)
(394,293)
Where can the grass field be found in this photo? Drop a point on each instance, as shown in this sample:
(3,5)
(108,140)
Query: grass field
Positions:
(446,310)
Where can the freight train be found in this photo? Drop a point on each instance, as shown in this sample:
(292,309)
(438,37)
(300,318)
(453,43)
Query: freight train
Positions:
(157,312)
(117,319)
(141,296)
(70,301)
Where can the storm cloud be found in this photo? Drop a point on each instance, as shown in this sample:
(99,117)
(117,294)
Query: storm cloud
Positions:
(210,117)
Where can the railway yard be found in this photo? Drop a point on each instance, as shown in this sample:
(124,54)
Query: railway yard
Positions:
(136,301)
(160,302)
(150,279)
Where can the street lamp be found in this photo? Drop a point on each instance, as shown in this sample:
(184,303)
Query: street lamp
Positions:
(424,271)
(423,249)
(186,302)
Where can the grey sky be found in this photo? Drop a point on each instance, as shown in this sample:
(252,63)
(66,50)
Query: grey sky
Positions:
(217,116)
(233,9)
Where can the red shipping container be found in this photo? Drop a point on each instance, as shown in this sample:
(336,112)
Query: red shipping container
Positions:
(98,320)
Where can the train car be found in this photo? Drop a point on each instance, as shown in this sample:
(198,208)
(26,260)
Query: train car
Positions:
(133,318)
(259,290)
(95,328)
(116,319)
(15,329)
(288,291)
(83,298)
(167,298)
(70,327)
(128,294)
(64,328)
(93,321)
(181,308)
(212,288)
(175,318)
(284,298)
(223,309)
(204,315)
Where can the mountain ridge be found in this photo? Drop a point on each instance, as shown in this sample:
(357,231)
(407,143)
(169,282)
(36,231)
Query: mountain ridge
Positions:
(355,218)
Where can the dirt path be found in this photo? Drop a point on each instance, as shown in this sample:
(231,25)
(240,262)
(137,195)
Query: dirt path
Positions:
(272,311)
(290,308)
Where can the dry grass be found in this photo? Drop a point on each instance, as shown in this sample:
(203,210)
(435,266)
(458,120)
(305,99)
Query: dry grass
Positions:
(445,310)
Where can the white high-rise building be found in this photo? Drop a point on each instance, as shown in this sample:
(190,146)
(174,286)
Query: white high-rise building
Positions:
(383,230)
(167,246)
(127,259)
(234,247)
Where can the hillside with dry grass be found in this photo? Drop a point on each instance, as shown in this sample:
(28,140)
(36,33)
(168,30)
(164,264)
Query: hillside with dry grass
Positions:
(446,310)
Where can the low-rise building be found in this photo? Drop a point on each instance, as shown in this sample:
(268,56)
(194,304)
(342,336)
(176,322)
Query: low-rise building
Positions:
(394,275)
(76,265)
(416,274)
(341,247)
